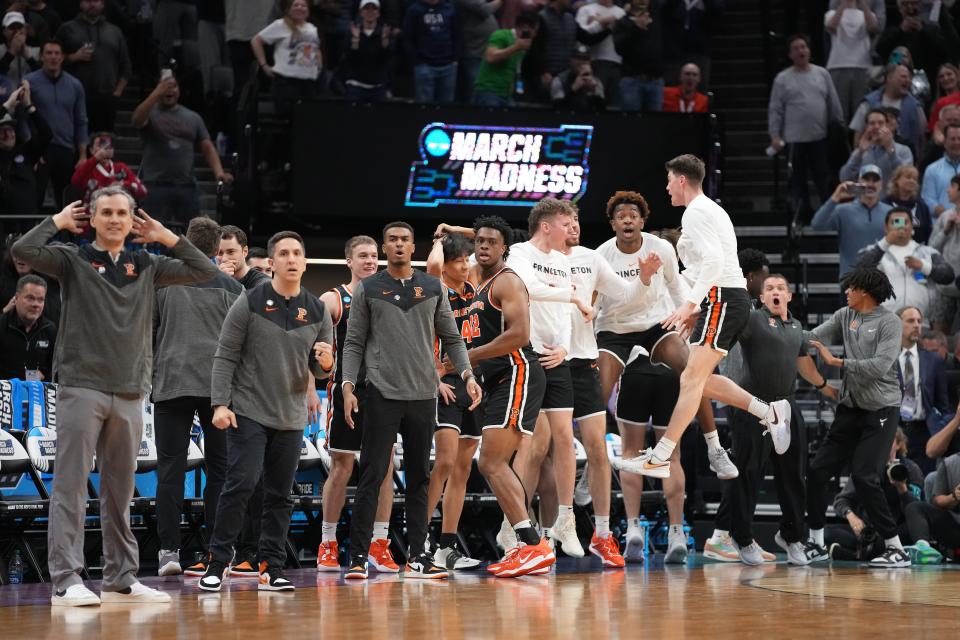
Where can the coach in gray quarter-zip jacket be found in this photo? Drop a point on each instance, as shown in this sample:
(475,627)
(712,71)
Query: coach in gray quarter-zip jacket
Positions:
(866,419)
(103,363)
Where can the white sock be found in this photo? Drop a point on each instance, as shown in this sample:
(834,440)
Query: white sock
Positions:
(565,509)
(328,532)
(713,440)
(719,533)
(522,524)
(664,449)
(547,532)
(817,536)
(380,530)
(894,542)
(601,525)
(676,530)
(758,408)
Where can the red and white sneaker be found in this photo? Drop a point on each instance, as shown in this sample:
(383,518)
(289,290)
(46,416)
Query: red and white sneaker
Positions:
(380,557)
(608,550)
(328,556)
(526,559)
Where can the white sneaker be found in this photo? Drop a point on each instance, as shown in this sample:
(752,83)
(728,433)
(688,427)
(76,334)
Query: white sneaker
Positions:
(722,465)
(564,531)
(169,563)
(777,423)
(76,595)
(451,558)
(676,549)
(644,465)
(751,554)
(892,558)
(633,550)
(139,594)
(507,537)
(581,493)
(796,552)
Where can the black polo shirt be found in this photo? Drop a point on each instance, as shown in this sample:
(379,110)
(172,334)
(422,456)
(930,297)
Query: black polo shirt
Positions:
(20,350)
(770,347)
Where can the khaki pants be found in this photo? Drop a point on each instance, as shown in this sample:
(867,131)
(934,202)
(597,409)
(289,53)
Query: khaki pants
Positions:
(111,426)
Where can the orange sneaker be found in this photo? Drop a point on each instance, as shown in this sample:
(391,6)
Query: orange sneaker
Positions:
(525,560)
(328,557)
(245,569)
(496,566)
(380,557)
(608,550)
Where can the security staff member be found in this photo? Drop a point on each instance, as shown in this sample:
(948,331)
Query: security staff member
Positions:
(27,338)
(773,351)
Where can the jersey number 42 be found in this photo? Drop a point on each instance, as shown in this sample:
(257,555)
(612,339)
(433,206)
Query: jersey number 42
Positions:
(470,329)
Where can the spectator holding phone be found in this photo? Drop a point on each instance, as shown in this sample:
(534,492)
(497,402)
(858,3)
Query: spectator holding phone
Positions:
(877,147)
(501,62)
(577,88)
(101,170)
(913,269)
(598,19)
(855,212)
(18,157)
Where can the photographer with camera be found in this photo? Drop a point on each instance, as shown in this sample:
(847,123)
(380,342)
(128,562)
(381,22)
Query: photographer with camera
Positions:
(900,482)
(914,269)
(877,147)
(855,212)
(497,76)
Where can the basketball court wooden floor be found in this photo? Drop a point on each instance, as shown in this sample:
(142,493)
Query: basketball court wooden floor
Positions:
(581,601)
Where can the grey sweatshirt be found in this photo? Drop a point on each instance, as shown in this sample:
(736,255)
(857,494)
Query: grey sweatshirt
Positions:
(802,104)
(948,244)
(105,337)
(392,329)
(186,324)
(265,355)
(871,345)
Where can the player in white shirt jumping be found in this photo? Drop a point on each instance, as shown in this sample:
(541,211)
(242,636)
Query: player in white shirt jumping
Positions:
(708,250)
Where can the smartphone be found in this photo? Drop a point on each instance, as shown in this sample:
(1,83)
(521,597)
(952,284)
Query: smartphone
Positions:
(898,223)
(166,74)
(857,189)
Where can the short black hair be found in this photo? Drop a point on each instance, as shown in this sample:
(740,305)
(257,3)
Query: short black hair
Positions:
(627,197)
(399,224)
(752,260)
(798,36)
(204,234)
(49,42)
(871,281)
(881,110)
(257,252)
(896,210)
(30,278)
(456,245)
(499,224)
(228,231)
(528,18)
(284,235)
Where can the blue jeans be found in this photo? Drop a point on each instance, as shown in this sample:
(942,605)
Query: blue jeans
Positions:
(434,84)
(490,99)
(637,94)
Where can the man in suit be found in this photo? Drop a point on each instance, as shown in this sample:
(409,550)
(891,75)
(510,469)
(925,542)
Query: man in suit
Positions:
(923,381)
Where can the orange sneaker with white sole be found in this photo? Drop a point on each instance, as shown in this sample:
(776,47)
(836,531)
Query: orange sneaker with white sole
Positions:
(608,550)
(328,556)
(524,560)
(380,557)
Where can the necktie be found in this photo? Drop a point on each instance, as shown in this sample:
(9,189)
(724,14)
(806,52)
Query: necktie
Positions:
(909,404)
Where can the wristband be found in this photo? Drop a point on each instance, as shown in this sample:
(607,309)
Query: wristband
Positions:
(821,386)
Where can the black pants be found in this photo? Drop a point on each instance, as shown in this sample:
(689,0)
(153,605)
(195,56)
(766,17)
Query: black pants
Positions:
(809,158)
(101,111)
(247,447)
(382,420)
(751,452)
(57,167)
(917,436)
(288,91)
(861,439)
(930,522)
(250,535)
(174,418)
(608,73)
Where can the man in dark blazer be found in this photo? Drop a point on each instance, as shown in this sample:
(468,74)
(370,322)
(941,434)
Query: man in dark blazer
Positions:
(923,381)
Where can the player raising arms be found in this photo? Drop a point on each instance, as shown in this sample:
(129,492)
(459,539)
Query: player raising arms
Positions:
(708,249)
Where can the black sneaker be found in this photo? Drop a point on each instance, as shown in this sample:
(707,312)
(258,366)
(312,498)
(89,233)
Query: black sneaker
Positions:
(892,558)
(815,553)
(357,570)
(423,567)
(273,580)
(212,580)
